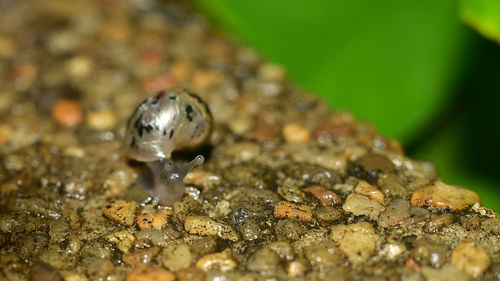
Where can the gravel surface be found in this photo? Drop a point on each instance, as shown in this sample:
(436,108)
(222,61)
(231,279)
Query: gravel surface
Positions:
(290,189)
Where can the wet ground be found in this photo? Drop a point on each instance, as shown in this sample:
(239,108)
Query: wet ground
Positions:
(290,189)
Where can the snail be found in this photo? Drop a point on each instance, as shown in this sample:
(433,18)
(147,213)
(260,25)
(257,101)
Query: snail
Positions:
(172,120)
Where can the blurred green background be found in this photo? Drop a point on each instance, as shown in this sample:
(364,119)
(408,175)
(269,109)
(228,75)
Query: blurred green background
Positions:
(415,69)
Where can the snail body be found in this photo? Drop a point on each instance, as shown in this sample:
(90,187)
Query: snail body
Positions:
(171,120)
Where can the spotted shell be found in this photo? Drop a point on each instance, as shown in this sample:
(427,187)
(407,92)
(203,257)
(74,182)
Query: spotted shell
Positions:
(171,120)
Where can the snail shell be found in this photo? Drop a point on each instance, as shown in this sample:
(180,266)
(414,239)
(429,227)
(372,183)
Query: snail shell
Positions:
(171,120)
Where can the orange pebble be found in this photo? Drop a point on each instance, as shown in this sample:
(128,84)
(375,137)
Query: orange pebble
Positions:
(67,113)
(156,83)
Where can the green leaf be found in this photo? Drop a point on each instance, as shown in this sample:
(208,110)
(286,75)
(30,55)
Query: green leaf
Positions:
(391,63)
(482,15)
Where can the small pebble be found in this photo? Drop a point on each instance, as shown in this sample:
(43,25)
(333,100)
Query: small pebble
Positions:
(250,175)
(483,211)
(6,132)
(150,274)
(117,182)
(325,196)
(270,71)
(289,230)
(63,41)
(494,271)
(447,272)
(123,240)
(283,248)
(354,152)
(222,261)
(360,205)
(428,252)
(266,132)
(44,272)
(292,211)
(160,238)
(290,191)
(438,223)
(191,274)
(371,162)
(357,240)
(370,191)
(6,100)
(7,47)
(177,256)
(8,187)
(370,165)
(67,113)
(151,57)
(396,214)
(101,120)
(444,196)
(296,268)
(204,226)
(326,215)
(3,241)
(140,256)
(393,250)
(420,170)
(327,129)
(25,73)
(180,70)
(203,79)
(313,174)
(79,67)
(74,151)
(100,269)
(324,255)
(393,185)
(467,256)
(412,264)
(157,83)
(156,220)
(243,151)
(293,132)
(250,230)
(73,276)
(202,178)
(492,225)
(265,261)
(121,211)
(56,259)
(418,214)
(240,125)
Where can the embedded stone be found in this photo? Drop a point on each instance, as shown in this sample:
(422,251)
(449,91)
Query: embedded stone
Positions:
(123,240)
(325,196)
(222,261)
(292,211)
(205,226)
(150,274)
(469,257)
(357,240)
(370,191)
(360,205)
(121,211)
(293,132)
(156,220)
(444,196)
